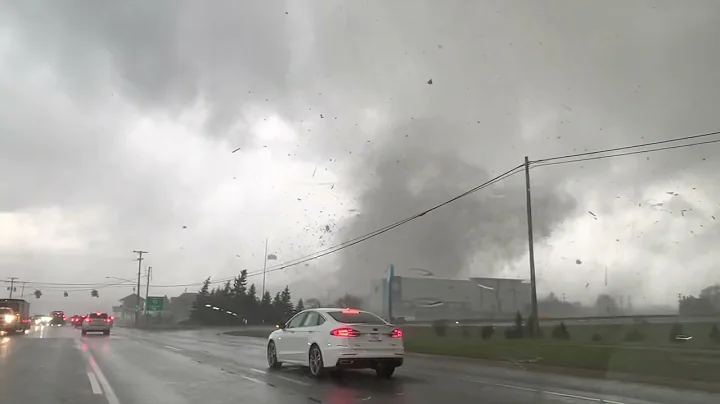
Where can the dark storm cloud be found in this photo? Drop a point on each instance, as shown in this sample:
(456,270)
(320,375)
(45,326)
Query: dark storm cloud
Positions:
(167,54)
(414,173)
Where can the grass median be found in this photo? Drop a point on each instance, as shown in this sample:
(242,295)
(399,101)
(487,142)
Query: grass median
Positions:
(655,356)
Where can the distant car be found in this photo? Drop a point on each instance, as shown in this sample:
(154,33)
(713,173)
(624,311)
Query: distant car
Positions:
(76,320)
(57,318)
(97,322)
(327,338)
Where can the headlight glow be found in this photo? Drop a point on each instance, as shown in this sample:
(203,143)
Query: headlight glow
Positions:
(9,318)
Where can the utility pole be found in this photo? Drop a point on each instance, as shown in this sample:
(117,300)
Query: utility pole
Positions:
(264,270)
(137,291)
(531,251)
(391,275)
(22,291)
(12,284)
(147,292)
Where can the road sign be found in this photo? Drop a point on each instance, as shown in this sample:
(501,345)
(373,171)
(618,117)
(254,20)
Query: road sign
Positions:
(154,303)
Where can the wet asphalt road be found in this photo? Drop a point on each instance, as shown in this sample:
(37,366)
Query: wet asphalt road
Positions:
(57,365)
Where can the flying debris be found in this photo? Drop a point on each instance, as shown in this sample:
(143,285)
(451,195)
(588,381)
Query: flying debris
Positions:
(485,287)
(423,272)
(65,294)
(271,257)
(37,293)
(94,293)
(430,82)
(578,261)
(427,302)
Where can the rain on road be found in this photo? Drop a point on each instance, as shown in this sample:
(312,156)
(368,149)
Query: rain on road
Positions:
(57,365)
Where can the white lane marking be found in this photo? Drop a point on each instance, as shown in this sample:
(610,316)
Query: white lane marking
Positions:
(252,379)
(172,347)
(552,393)
(94,383)
(109,392)
(258,371)
(293,380)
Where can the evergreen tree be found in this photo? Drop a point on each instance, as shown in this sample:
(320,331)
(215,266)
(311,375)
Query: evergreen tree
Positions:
(198,313)
(300,306)
(242,282)
(266,309)
(286,306)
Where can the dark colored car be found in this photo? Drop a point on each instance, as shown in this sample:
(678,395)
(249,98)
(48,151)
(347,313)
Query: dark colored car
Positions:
(58,318)
(76,320)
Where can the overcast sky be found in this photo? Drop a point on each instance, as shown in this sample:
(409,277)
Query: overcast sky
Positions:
(118,121)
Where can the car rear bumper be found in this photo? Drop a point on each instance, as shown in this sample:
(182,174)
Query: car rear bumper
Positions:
(367,363)
(362,359)
(96,328)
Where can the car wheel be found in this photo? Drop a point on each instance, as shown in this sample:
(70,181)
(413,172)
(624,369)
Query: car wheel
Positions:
(106,332)
(315,360)
(83,332)
(385,371)
(272,359)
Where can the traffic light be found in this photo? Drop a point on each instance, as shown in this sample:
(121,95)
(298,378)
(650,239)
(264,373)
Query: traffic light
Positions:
(65,294)
(37,293)
(94,293)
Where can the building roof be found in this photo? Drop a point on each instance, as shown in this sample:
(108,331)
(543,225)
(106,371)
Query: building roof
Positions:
(131,298)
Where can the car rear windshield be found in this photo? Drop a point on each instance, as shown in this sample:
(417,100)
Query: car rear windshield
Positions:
(98,315)
(355,317)
(6,310)
(57,313)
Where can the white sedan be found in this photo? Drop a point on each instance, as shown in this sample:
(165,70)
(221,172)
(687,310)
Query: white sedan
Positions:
(324,339)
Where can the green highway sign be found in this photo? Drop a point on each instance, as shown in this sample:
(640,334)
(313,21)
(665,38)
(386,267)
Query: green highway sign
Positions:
(154,303)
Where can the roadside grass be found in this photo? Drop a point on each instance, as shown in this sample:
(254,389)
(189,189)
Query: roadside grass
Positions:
(655,334)
(646,361)
(655,356)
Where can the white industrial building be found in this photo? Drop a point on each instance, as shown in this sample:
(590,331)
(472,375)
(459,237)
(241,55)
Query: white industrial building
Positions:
(429,298)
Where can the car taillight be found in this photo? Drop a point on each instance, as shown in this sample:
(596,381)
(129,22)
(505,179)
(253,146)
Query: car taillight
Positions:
(345,332)
(64,317)
(396,333)
(89,320)
(107,320)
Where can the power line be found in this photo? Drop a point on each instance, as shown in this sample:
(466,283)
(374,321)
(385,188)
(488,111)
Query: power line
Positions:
(367,236)
(332,249)
(679,139)
(549,162)
(360,239)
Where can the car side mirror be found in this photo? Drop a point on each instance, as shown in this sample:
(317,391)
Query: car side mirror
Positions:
(280,326)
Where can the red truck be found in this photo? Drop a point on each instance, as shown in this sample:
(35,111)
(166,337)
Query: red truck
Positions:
(14,316)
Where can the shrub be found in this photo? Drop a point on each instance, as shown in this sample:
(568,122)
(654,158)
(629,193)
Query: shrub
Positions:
(597,337)
(560,332)
(715,334)
(675,330)
(440,327)
(634,336)
(487,331)
(513,333)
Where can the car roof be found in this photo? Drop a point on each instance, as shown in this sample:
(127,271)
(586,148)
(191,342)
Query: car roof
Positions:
(329,309)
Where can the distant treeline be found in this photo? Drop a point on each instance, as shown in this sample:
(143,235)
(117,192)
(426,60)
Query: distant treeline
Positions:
(235,303)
